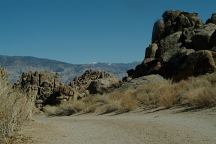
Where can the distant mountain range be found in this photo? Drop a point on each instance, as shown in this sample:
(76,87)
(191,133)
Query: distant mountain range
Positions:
(15,65)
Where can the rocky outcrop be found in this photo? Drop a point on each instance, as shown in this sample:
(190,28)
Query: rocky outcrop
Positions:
(45,86)
(182,46)
(183,66)
(94,82)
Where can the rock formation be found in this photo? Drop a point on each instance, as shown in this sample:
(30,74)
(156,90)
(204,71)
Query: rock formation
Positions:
(94,82)
(182,46)
(45,86)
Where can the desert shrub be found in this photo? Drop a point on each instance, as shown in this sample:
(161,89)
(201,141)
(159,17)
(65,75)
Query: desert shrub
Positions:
(15,108)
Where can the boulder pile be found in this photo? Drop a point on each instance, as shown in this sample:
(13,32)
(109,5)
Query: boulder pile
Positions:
(93,82)
(182,46)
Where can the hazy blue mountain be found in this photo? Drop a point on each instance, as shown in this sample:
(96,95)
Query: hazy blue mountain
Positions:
(15,65)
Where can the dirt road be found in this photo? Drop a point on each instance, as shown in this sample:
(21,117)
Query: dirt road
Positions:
(132,128)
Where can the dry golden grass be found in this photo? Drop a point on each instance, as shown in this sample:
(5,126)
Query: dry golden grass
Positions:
(86,105)
(123,100)
(63,110)
(107,108)
(169,95)
(196,91)
(15,108)
(202,97)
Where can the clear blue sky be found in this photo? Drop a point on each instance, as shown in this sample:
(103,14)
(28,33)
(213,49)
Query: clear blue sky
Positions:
(85,31)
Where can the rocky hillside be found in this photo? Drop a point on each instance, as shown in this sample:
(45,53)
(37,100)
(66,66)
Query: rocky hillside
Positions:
(15,65)
(182,46)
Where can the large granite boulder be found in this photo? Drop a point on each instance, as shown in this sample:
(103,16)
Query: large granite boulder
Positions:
(201,38)
(184,65)
(143,80)
(169,46)
(102,86)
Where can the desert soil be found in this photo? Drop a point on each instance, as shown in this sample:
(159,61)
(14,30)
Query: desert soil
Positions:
(163,127)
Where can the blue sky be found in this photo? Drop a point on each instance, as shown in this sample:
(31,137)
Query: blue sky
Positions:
(85,31)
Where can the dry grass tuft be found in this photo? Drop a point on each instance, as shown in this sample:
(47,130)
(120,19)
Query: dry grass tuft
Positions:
(107,108)
(15,108)
(63,110)
(201,97)
(200,91)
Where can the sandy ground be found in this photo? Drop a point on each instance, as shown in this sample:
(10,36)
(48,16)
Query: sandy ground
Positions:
(163,127)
